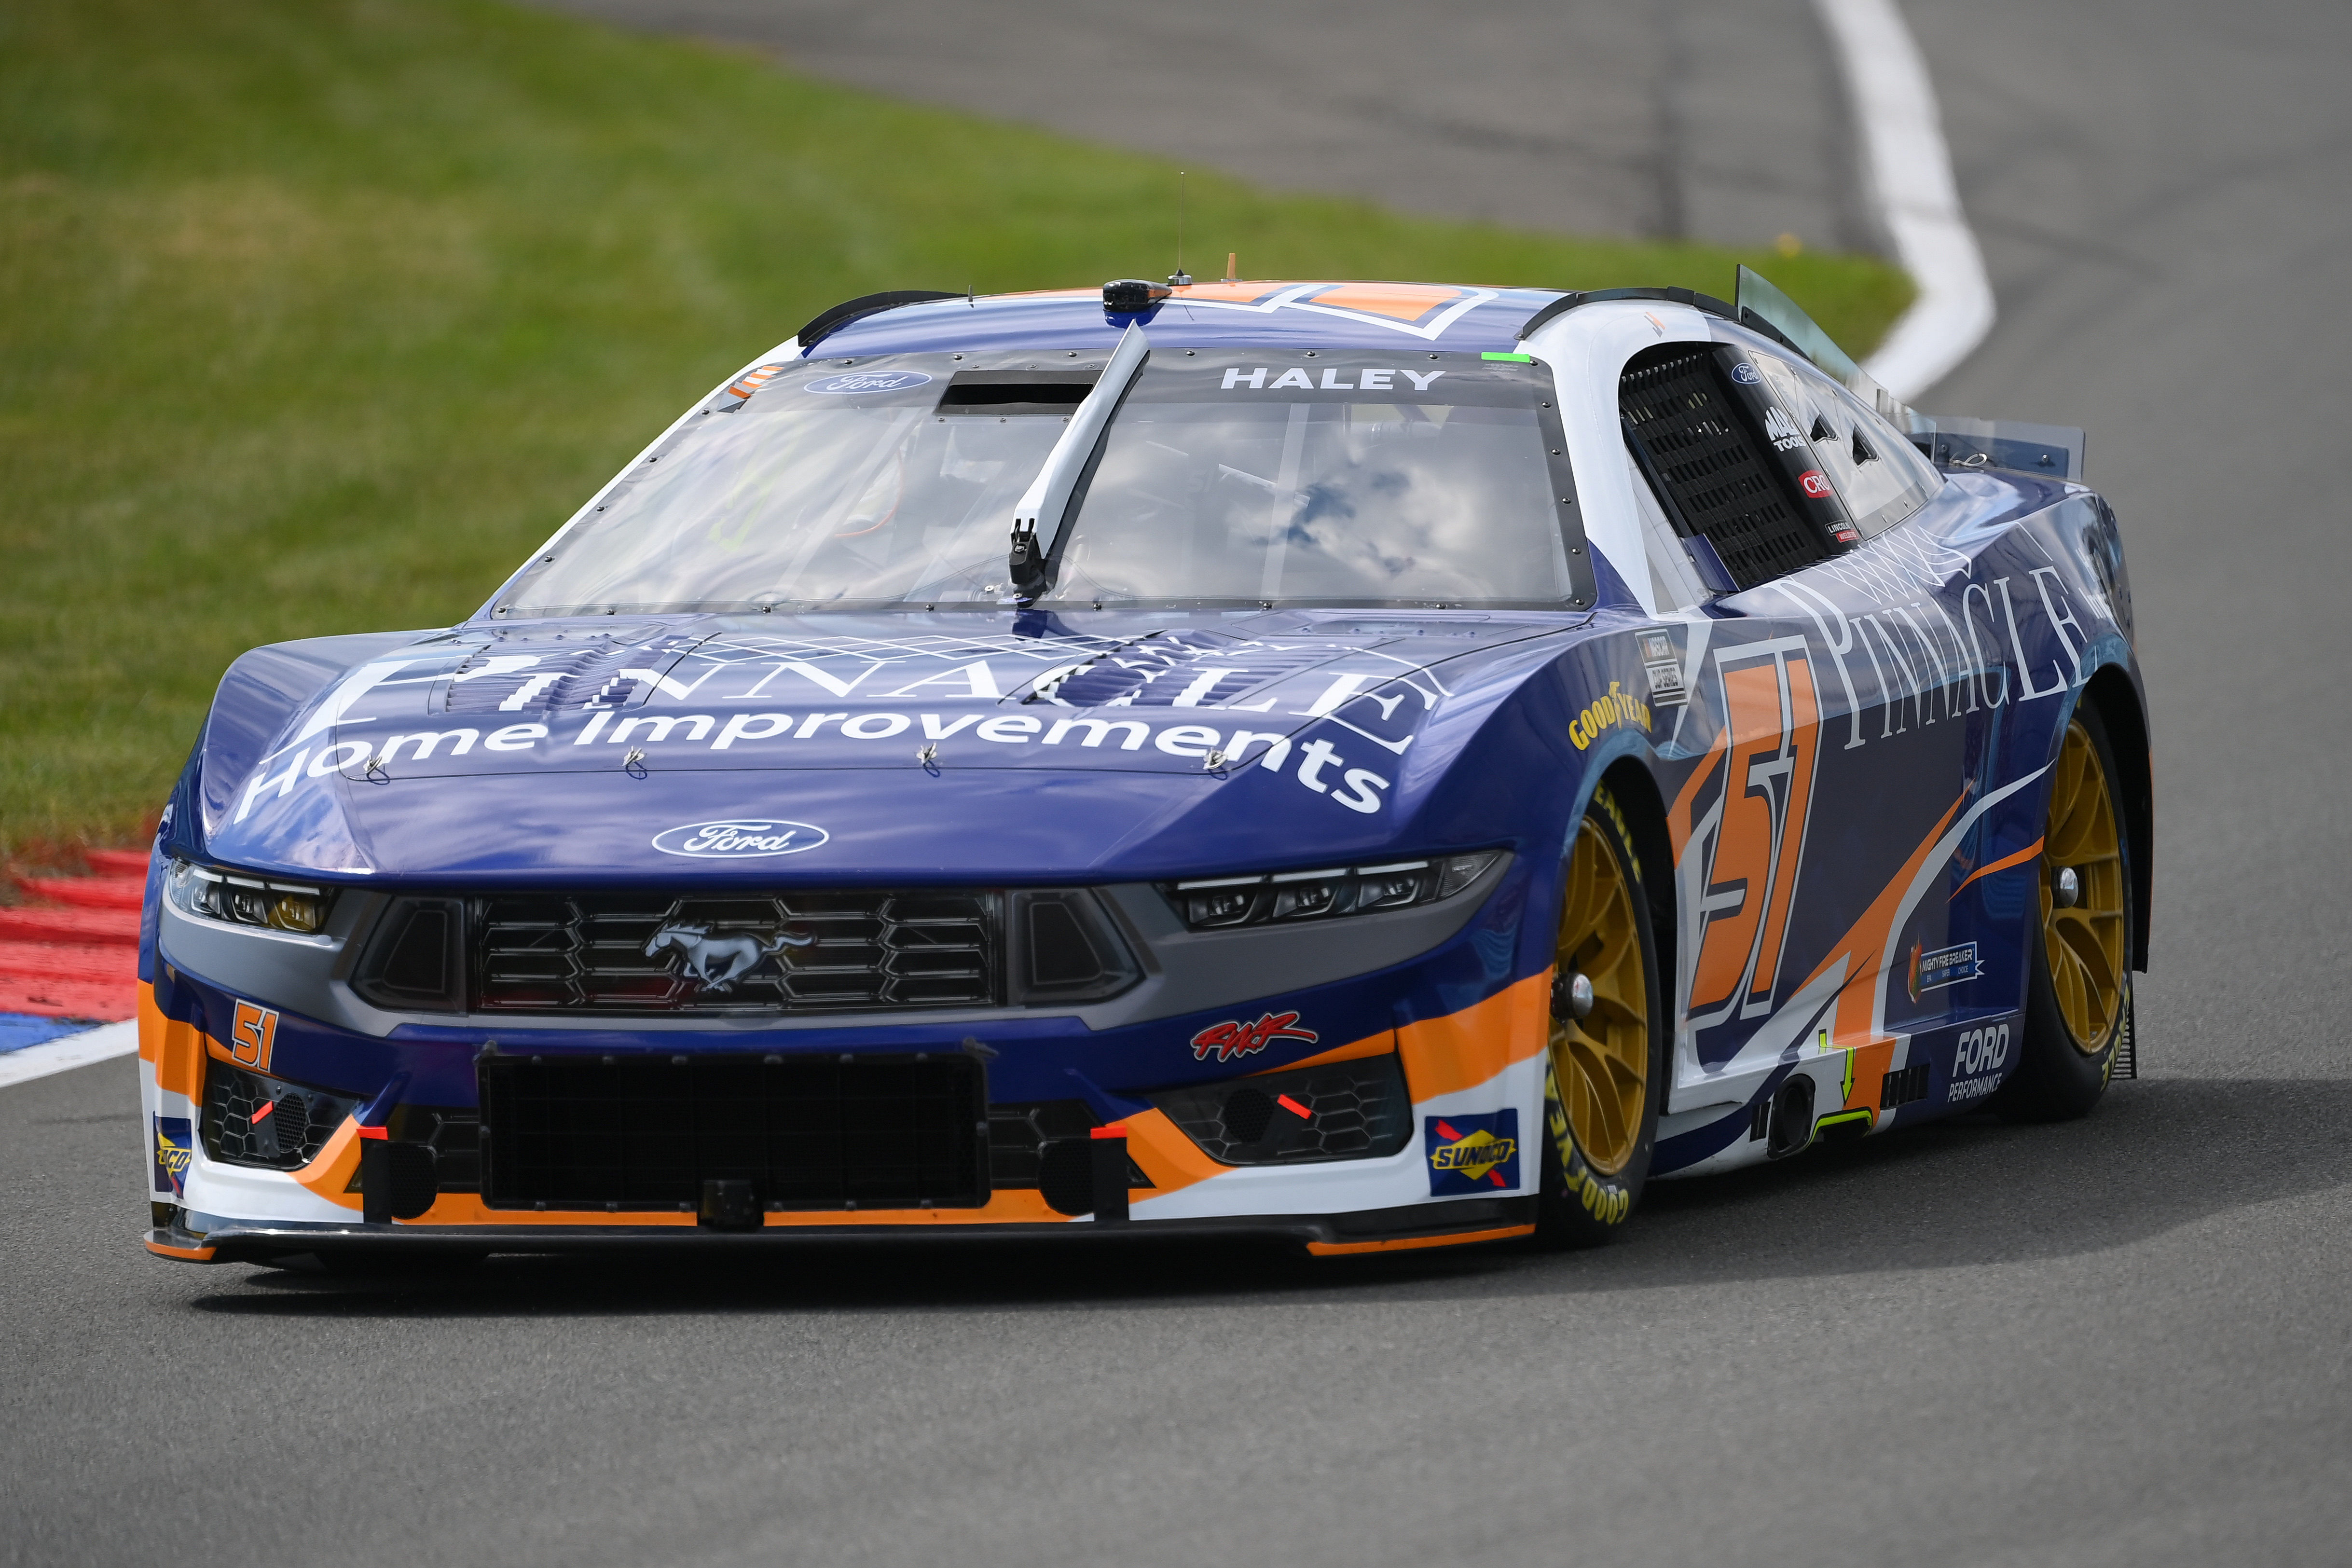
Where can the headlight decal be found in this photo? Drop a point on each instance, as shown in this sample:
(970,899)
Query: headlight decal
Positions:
(1218,903)
(235,898)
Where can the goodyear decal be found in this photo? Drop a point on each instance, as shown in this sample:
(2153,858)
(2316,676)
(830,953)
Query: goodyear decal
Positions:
(173,1142)
(1607,1201)
(1613,709)
(1473,1154)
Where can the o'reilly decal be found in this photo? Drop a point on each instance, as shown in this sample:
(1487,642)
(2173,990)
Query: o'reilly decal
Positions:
(740,838)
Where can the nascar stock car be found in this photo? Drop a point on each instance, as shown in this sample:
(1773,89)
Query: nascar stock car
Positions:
(1380,766)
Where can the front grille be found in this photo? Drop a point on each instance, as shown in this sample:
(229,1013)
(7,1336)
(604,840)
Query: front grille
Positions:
(1354,1110)
(249,1120)
(818,951)
(643,1132)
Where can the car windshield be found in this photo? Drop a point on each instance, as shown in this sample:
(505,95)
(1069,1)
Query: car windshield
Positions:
(1355,479)
(1359,478)
(822,483)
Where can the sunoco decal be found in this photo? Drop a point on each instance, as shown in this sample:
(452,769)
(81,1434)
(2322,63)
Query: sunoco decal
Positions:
(1472,1154)
(740,838)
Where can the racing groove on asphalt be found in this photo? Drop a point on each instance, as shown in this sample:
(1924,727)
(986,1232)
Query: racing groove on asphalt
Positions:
(2118,1340)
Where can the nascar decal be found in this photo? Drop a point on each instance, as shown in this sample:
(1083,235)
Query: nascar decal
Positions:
(174,1146)
(253,1034)
(1469,1155)
(1234,1038)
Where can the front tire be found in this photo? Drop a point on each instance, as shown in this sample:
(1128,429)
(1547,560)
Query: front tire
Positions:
(1606,1067)
(2078,994)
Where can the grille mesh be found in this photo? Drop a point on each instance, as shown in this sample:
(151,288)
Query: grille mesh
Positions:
(1701,449)
(645,1132)
(822,952)
(1355,1110)
(298,1126)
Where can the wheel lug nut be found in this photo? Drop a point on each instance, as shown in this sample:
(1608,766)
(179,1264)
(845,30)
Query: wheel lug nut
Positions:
(2066,887)
(1571,995)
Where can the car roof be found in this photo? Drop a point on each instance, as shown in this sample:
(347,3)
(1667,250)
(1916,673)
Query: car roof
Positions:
(1452,317)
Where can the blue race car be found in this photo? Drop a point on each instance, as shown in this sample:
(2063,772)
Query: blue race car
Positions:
(1380,766)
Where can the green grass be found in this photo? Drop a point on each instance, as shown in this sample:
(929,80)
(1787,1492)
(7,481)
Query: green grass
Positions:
(316,315)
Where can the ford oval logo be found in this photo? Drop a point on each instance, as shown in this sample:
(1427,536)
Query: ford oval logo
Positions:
(869,381)
(1745,374)
(740,838)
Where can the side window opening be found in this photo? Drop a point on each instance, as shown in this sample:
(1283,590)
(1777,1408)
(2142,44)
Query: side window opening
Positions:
(1878,475)
(1733,467)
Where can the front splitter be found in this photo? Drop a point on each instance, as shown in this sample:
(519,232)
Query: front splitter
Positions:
(1370,1230)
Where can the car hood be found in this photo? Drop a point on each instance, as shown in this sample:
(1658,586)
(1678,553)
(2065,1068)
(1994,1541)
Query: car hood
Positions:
(1010,747)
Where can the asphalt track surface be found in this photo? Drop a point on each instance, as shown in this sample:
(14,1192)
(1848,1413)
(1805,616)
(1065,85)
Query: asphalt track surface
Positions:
(2117,1341)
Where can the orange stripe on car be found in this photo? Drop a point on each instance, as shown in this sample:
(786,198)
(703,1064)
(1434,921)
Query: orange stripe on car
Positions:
(1380,1045)
(1465,1049)
(1396,301)
(2003,864)
(1413,1243)
(178,1049)
(1864,947)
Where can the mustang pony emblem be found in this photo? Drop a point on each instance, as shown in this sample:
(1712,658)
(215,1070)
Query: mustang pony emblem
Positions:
(719,961)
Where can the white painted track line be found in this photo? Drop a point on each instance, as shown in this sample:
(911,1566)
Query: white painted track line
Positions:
(1907,171)
(98,1045)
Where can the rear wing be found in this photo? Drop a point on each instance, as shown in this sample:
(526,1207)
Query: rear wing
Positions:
(2055,451)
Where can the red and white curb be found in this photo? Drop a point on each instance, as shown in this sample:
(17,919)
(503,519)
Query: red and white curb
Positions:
(1907,176)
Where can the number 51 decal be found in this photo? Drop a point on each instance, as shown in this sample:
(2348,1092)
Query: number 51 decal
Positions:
(1753,839)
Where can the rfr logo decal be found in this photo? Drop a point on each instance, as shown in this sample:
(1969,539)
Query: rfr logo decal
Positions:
(1772,718)
(253,1034)
(1234,1038)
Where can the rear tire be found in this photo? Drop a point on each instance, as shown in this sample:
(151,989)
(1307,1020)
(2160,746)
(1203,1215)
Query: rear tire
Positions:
(2078,991)
(1606,1068)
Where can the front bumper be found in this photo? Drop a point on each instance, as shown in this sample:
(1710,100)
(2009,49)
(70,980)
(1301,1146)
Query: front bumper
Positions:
(1461,1028)
(206,1238)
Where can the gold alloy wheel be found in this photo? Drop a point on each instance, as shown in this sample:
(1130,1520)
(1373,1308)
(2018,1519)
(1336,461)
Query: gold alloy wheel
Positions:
(2082,926)
(1601,1061)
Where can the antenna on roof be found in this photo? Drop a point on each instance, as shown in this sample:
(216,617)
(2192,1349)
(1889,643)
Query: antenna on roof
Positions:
(1180,279)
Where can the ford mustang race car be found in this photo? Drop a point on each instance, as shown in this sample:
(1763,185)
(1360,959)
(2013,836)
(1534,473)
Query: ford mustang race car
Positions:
(1377,765)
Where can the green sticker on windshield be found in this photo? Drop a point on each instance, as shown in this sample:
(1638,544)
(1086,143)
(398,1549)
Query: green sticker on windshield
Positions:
(1515,359)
